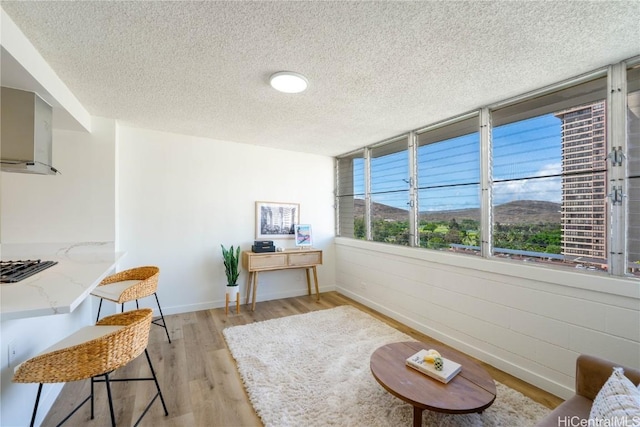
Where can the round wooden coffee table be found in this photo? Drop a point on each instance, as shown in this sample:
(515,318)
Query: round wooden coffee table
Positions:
(472,390)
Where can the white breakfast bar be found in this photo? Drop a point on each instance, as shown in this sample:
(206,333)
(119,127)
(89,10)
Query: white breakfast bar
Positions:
(58,289)
(42,309)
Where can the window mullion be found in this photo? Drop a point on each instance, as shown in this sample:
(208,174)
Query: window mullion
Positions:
(413,192)
(486,211)
(367,193)
(616,135)
(336,203)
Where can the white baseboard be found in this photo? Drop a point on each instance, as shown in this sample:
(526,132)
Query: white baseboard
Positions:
(208,305)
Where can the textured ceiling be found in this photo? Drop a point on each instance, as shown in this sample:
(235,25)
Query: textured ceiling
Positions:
(376,69)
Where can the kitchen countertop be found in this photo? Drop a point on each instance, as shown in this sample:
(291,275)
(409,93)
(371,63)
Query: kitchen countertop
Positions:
(58,289)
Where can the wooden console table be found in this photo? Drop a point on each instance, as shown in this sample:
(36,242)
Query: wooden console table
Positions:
(270,261)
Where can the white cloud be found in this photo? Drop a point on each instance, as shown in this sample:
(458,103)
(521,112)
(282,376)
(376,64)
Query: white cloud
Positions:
(547,189)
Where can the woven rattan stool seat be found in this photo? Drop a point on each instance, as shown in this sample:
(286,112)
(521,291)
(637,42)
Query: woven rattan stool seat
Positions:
(116,291)
(91,352)
(131,285)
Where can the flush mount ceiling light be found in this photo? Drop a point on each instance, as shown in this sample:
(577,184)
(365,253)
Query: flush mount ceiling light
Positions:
(288,82)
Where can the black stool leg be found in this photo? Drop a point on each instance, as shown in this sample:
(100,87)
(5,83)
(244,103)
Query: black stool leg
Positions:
(158,393)
(92,382)
(113,418)
(35,408)
(164,324)
(99,307)
(155,379)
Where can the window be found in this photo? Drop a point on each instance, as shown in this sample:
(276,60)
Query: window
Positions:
(549,177)
(448,169)
(633,171)
(351,196)
(390,193)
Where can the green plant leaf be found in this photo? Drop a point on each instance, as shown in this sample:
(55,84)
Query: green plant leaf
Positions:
(231,260)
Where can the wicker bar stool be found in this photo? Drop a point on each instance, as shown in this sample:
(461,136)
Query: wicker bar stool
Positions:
(93,352)
(129,285)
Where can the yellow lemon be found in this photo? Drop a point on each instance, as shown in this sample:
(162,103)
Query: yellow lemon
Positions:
(431,356)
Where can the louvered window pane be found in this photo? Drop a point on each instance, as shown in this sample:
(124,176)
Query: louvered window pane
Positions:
(390,192)
(448,162)
(351,193)
(633,144)
(549,175)
(390,223)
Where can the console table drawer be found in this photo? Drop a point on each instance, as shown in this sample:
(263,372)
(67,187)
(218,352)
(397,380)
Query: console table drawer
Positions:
(302,259)
(263,262)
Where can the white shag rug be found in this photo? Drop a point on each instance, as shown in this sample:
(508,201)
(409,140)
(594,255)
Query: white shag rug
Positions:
(312,369)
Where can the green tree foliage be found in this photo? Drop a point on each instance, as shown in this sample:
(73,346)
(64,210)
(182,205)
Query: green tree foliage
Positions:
(390,231)
(541,237)
(471,238)
(359,229)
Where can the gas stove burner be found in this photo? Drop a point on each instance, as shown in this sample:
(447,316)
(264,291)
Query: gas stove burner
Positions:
(15,271)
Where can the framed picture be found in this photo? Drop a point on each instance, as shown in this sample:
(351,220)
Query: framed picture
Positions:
(303,235)
(276,220)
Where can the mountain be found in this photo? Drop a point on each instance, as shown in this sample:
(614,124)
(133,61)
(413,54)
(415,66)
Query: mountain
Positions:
(527,211)
(380,211)
(516,212)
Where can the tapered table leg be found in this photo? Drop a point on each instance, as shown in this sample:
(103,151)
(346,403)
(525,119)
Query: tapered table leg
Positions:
(306,270)
(315,278)
(255,290)
(417,417)
(249,277)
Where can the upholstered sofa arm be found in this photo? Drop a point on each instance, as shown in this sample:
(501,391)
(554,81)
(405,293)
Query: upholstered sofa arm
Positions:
(592,372)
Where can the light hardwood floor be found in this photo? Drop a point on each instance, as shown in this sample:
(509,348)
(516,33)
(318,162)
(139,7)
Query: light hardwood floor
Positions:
(198,378)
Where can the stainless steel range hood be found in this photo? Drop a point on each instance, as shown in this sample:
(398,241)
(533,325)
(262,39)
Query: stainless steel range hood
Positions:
(26,134)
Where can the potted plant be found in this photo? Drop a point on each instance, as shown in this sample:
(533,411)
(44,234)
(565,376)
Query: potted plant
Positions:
(231,260)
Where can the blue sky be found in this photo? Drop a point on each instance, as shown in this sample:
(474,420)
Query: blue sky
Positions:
(449,171)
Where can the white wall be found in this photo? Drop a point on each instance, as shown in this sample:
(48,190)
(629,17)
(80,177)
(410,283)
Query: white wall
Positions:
(180,198)
(166,199)
(75,206)
(526,320)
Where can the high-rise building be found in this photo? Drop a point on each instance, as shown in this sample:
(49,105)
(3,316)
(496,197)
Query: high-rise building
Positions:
(584,183)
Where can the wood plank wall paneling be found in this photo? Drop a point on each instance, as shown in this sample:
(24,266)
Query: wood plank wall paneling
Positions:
(529,321)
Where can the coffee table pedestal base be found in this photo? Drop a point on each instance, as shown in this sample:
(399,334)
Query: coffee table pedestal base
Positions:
(417,416)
